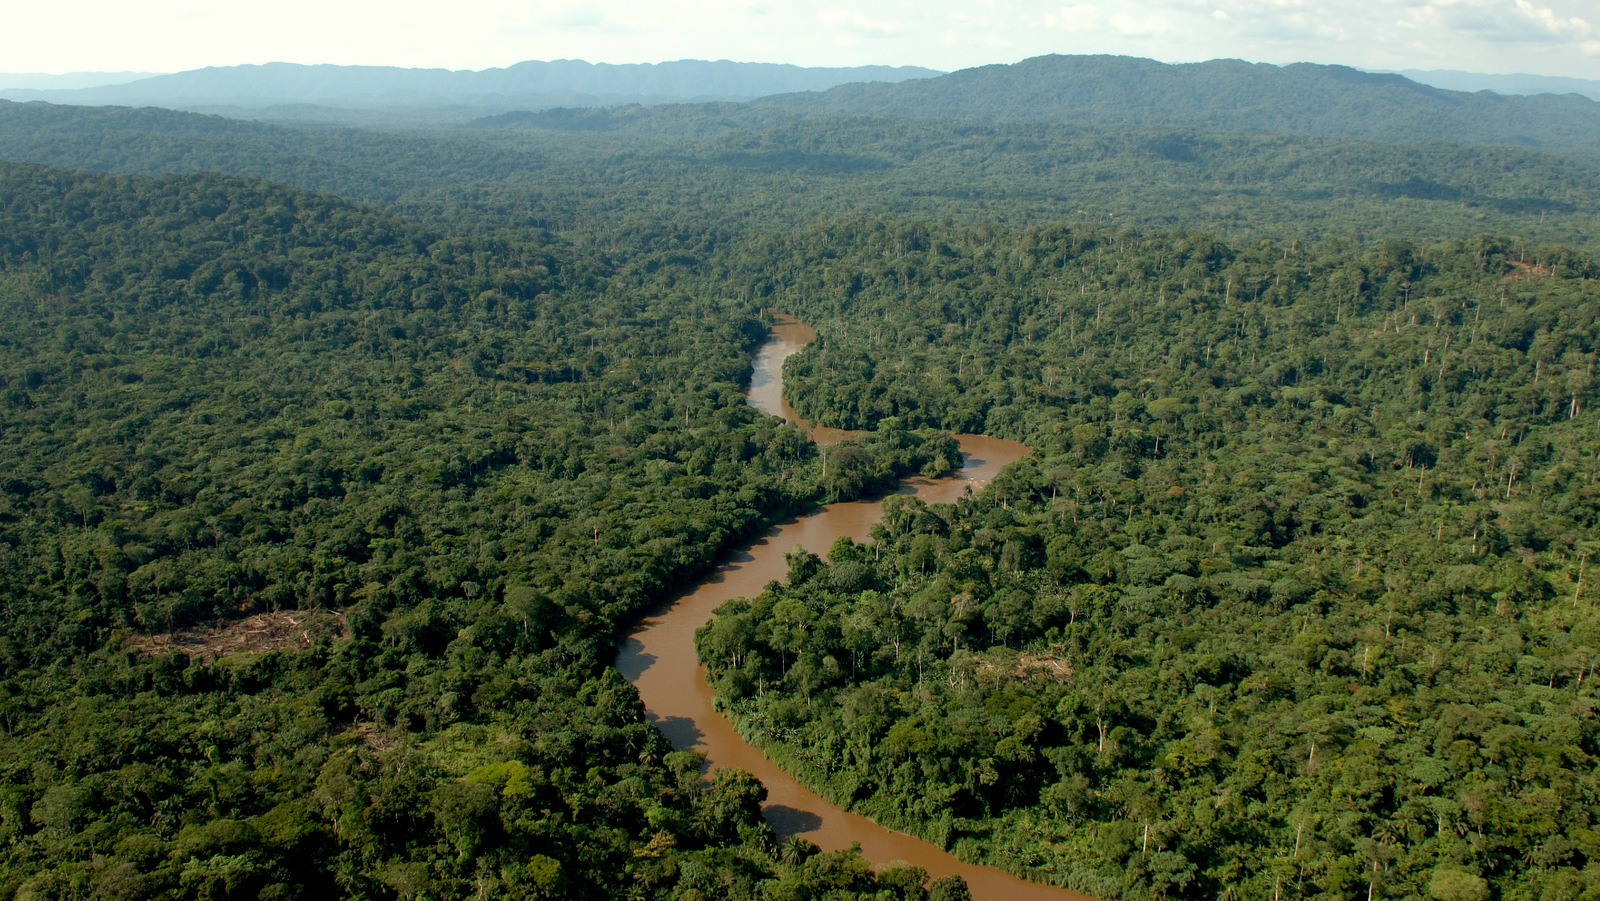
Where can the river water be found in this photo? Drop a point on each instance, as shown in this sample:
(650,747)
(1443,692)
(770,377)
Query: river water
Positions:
(659,657)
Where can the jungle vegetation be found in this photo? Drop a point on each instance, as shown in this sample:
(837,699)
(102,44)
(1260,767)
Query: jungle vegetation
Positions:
(223,397)
(1294,598)
(623,176)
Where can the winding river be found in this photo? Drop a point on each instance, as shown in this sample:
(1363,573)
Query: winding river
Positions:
(659,657)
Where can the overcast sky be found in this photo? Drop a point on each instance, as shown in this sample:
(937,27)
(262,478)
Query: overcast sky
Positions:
(1547,37)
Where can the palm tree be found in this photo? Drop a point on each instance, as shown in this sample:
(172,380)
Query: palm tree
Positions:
(797,851)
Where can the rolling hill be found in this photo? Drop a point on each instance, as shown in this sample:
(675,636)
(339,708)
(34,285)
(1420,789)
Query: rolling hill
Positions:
(1222,95)
(292,90)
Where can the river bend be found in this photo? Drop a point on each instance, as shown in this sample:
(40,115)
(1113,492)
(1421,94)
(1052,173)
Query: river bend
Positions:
(659,656)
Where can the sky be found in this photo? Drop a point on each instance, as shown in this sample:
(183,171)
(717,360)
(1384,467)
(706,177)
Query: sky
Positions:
(1544,37)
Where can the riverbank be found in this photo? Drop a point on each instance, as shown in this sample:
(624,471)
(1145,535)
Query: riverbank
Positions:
(659,656)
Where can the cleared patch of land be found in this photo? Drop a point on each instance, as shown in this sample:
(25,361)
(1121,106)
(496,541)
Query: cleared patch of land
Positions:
(285,630)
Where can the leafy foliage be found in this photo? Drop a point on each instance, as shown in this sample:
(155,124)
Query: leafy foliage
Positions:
(1291,599)
(633,178)
(224,396)
(1287,602)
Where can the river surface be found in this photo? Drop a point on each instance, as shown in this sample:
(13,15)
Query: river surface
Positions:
(659,657)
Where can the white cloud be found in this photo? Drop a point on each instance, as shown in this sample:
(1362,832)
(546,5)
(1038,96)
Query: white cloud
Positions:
(583,18)
(1138,26)
(1499,21)
(591,19)
(1074,17)
(1554,22)
(859,25)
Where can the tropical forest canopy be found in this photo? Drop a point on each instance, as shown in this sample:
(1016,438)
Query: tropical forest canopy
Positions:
(1289,599)
(1294,598)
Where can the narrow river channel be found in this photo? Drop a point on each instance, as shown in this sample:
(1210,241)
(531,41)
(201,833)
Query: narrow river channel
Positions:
(659,657)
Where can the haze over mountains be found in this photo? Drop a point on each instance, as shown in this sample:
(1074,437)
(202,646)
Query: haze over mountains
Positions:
(765,80)
(1223,95)
(1106,91)
(1455,80)
(38,81)
(1224,145)
(526,85)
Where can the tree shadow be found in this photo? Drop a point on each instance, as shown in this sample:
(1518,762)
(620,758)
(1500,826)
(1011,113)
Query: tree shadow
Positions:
(787,821)
(632,660)
(680,730)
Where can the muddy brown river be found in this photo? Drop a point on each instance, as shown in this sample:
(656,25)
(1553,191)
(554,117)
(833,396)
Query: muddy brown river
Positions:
(659,657)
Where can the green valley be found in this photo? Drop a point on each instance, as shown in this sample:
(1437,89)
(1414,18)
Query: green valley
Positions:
(338,461)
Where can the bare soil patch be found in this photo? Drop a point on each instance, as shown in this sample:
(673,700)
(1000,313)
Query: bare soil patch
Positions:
(285,630)
(1028,666)
(373,737)
(1520,271)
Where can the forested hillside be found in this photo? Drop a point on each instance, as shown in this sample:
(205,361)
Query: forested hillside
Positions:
(224,397)
(1113,92)
(1291,601)
(1224,95)
(359,166)
(721,170)
(324,500)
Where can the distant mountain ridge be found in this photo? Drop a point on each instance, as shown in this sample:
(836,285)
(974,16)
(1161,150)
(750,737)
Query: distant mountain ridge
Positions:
(1226,96)
(1455,80)
(1220,95)
(37,81)
(532,83)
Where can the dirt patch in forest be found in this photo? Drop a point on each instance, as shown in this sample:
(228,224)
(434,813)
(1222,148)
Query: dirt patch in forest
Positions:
(373,737)
(1027,666)
(1520,271)
(290,630)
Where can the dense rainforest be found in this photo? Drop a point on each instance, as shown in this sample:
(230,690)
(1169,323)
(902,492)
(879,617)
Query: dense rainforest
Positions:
(618,178)
(324,500)
(225,397)
(1289,602)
